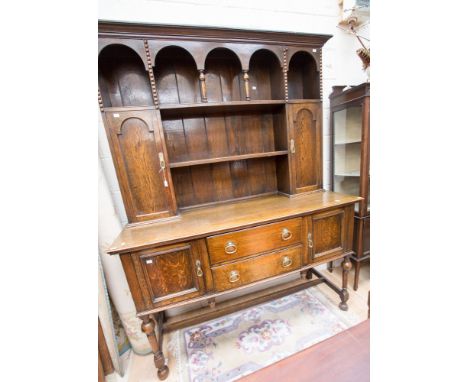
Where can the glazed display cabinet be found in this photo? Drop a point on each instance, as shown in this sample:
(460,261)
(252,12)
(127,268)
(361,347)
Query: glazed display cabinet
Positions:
(350,170)
(216,138)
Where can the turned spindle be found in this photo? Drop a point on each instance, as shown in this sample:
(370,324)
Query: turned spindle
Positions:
(203,86)
(246,85)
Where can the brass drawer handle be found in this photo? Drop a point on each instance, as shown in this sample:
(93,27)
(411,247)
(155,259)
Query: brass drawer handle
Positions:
(286,262)
(199,270)
(286,234)
(309,241)
(234,276)
(230,248)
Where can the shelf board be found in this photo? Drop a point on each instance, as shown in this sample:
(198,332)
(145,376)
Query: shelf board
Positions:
(351,174)
(228,158)
(128,108)
(347,142)
(316,100)
(191,108)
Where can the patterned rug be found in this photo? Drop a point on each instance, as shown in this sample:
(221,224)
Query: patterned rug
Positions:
(227,348)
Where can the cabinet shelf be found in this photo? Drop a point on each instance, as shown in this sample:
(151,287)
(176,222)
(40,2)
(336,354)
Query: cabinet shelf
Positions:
(304,100)
(228,158)
(190,108)
(347,142)
(349,174)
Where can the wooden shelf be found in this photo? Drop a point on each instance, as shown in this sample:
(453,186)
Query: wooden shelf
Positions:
(350,174)
(191,108)
(228,158)
(303,100)
(347,143)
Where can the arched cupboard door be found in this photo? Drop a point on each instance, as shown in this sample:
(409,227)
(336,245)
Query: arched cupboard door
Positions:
(140,160)
(305,146)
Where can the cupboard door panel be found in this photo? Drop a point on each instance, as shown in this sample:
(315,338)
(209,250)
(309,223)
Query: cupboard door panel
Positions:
(328,233)
(305,145)
(138,152)
(173,273)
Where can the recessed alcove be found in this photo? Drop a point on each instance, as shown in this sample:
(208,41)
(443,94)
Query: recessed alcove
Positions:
(176,76)
(223,76)
(265,76)
(303,77)
(123,79)
(218,182)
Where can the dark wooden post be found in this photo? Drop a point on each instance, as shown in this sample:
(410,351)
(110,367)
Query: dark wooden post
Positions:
(148,327)
(246,84)
(203,86)
(346,265)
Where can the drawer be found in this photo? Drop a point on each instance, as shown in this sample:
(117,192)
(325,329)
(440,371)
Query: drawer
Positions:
(265,238)
(246,271)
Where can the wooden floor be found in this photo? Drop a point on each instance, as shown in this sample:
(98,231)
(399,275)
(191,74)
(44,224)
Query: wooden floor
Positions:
(341,358)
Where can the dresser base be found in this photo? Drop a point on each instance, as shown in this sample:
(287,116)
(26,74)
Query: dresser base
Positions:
(155,325)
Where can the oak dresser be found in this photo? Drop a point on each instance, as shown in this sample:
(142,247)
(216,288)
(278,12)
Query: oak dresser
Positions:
(216,138)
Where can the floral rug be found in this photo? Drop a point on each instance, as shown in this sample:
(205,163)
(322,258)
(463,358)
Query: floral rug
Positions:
(227,348)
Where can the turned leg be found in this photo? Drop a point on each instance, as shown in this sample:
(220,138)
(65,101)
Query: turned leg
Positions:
(330,266)
(357,269)
(344,295)
(147,327)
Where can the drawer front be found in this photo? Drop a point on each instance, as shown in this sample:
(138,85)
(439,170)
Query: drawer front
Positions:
(246,271)
(238,244)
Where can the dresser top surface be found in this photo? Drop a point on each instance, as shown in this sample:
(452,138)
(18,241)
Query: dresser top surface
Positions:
(205,221)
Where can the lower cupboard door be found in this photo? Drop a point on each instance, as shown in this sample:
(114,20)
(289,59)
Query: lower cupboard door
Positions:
(173,273)
(328,234)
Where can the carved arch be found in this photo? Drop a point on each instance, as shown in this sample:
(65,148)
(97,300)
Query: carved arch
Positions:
(136,46)
(223,46)
(315,56)
(178,46)
(275,53)
(312,114)
(193,48)
(119,128)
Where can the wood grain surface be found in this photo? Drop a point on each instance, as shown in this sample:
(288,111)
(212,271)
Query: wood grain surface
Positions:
(256,268)
(254,240)
(206,221)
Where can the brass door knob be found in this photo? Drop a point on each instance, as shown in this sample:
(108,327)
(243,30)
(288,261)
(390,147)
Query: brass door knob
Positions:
(230,248)
(286,262)
(234,276)
(286,234)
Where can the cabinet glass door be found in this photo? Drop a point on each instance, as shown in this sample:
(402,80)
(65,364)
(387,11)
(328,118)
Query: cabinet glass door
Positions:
(347,150)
